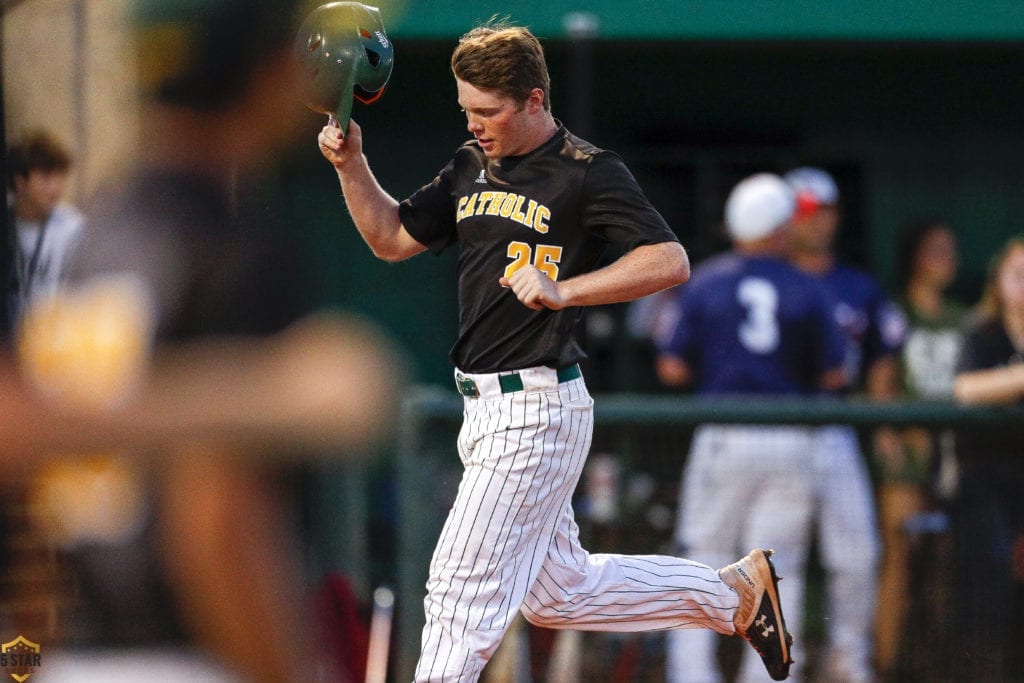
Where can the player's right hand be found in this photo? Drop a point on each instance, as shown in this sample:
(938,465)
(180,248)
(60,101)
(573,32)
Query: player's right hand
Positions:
(534,288)
(338,147)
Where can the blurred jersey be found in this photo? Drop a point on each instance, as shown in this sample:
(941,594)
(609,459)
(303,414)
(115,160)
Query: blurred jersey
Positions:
(211,260)
(930,354)
(987,346)
(755,325)
(874,325)
(211,266)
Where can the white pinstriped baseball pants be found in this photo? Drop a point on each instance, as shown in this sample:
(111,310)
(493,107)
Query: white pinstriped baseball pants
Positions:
(511,543)
(850,547)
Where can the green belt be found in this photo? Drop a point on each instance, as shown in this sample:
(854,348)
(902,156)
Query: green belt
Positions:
(514,382)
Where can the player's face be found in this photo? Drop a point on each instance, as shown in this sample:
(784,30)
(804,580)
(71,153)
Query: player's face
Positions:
(816,232)
(39,192)
(501,126)
(1011,281)
(937,260)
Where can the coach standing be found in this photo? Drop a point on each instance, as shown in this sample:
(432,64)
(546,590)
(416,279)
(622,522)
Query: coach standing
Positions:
(531,207)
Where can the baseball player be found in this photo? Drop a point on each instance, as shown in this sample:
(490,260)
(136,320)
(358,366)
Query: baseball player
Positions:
(531,207)
(749,324)
(847,525)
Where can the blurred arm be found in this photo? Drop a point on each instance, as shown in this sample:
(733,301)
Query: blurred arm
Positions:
(673,371)
(881,384)
(881,381)
(994,386)
(328,382)
(834,380)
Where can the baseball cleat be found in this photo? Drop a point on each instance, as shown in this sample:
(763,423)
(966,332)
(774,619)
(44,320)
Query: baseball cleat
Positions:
(759,617)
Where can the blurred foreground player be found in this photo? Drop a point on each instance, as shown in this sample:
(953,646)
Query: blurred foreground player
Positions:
(181,263)
(531,207)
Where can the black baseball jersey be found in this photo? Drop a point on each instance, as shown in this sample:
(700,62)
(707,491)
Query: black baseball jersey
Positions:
(557,208)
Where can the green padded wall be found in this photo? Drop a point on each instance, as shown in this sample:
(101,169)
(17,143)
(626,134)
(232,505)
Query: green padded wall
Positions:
(722,19)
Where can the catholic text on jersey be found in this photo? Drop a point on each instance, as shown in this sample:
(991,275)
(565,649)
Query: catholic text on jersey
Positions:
(507,205)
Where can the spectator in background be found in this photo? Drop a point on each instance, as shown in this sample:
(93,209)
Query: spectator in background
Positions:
(847,526)
(922,473)
(44,228)
(749,324)
(42,232)
(988,512)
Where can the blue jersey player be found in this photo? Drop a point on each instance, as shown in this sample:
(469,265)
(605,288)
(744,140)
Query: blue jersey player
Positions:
(749,324)
(848,531)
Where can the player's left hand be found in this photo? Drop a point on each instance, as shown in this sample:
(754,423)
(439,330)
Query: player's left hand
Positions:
(534,289)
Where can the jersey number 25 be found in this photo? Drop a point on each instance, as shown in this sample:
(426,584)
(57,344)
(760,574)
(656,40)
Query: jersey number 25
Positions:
(545,258)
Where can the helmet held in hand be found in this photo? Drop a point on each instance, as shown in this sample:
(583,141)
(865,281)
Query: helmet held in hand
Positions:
(345,54)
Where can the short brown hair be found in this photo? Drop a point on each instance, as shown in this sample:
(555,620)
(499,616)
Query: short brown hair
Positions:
(37,150)
(991,306)
(503,58)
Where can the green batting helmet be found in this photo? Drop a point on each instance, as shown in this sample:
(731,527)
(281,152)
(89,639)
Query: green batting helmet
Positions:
(345,54)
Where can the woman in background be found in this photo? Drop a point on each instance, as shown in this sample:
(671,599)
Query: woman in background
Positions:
(921,472)
(988,515)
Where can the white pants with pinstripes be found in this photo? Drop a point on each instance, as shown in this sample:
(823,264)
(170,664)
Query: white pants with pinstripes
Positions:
(849,544)
(745,486)
(511,543)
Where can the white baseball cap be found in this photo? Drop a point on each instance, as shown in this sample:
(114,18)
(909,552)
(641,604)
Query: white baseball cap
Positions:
(758,206)
(815,183)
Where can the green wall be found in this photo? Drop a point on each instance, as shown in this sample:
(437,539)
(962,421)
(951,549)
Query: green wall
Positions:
(722,19)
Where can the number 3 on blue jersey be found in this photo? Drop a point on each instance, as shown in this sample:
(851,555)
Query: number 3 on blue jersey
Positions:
(759,332)
(545,258)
